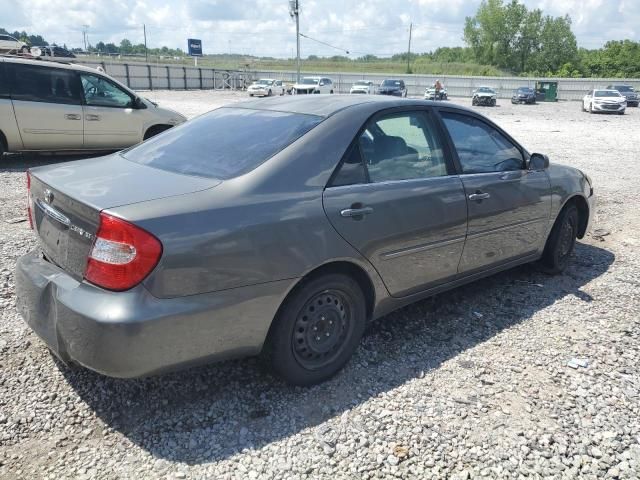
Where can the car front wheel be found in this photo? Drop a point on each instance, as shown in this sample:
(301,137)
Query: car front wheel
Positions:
(561,241)
(317,330)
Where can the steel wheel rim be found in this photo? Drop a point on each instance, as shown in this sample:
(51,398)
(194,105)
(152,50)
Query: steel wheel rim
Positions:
(321,329)
(566,238)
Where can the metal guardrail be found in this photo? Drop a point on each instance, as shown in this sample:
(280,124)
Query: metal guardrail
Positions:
(148,76)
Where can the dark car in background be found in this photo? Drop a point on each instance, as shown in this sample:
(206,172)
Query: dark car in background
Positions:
(52,51)
(524,95)
(206,243)
(396,88)
(628,92)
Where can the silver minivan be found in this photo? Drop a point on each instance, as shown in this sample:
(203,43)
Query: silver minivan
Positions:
(53,106)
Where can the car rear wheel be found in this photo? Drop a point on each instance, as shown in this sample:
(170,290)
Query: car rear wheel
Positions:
(269,93)
(561,241)
(591,108)
(317,330)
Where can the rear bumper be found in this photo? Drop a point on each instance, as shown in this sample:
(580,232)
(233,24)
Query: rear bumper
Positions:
(134,334)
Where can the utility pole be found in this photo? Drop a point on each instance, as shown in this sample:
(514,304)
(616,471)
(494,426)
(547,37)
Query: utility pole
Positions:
(84,36)
(409,50)
(294,11)
(146,53)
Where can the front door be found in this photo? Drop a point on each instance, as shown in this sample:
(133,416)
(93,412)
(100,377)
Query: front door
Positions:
(110,119)
(396,200)
(47,106)
(509,205)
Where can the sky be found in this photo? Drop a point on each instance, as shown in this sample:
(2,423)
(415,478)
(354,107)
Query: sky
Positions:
(264,27)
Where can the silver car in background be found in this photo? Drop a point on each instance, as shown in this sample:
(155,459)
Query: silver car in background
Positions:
(55,106)
(206,243)
(363,86)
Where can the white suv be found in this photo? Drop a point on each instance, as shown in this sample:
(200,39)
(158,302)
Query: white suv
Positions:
(313,85)
(50,106)
(11,44)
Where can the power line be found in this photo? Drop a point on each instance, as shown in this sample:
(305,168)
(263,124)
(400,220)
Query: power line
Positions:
(324,43)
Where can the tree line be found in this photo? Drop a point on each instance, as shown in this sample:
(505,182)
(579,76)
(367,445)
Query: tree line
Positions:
(501,38)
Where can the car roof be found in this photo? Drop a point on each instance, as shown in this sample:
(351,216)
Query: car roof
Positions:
(327,105)
(64,64)
(605,90)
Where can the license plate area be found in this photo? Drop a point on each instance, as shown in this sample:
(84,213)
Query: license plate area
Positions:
(53,231)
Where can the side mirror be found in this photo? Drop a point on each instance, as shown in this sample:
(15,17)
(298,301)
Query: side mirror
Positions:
(139,104)
(538,161)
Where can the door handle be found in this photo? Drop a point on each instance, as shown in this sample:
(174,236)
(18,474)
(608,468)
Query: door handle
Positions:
(479,196)
(92,118)
(356,212)
(73,116)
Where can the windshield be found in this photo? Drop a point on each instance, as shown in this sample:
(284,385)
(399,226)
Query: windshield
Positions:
(525,90)
(264,81)
(391,83)
(361,82)
(309,81)
(607,93)
(216,145)
(624,88)
(485,90)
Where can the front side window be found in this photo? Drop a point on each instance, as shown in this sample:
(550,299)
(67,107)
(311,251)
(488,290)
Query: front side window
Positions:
(216,145)
(402,146)
(100,92)
(481,148)
(42,84)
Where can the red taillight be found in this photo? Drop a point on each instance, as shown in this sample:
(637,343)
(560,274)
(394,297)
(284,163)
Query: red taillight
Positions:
(29,210)
(122,254)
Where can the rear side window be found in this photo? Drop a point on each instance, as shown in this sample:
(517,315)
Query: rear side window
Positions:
(481,148)
(224,143)
(42,84)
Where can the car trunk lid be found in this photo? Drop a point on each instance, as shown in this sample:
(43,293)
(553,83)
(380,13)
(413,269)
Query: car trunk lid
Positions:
(66,201)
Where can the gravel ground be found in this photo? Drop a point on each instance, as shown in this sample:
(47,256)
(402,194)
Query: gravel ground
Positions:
(474,383)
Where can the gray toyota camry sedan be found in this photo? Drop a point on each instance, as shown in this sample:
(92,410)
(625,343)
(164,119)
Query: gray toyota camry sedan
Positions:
(281,227)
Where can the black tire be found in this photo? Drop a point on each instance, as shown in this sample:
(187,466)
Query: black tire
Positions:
(331,92)
(155,130)
(621,112)
(24,49)
(591,108)
(251,94)
(474,102)
(317,330)
(269,93)
(493,103)
(561,241)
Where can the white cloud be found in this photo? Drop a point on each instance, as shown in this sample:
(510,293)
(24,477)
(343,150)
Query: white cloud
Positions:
(263,27)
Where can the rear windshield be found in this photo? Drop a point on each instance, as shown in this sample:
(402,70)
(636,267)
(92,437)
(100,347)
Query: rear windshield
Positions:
(624,88)
(224,143)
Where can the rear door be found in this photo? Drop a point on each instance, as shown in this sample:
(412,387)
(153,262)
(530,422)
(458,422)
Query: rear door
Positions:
(396,199)
(509,206)
(110,119)
(47,105)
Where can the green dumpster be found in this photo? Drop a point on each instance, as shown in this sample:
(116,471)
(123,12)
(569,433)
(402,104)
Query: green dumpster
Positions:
(547,91)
